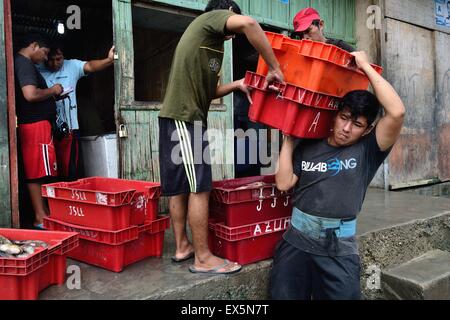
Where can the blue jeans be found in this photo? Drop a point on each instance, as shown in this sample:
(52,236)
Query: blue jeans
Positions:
(298,275)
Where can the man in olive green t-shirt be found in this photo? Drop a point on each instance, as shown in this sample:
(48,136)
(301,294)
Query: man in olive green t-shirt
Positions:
(193,84)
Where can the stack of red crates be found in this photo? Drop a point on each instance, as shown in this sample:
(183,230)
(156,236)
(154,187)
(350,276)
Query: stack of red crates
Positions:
(24,278)
(317,75)
(247,218)
(116,219)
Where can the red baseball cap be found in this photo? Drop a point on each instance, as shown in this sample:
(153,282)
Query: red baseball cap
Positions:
(304,18)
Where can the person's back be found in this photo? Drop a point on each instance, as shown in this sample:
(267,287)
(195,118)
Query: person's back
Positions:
(195,68)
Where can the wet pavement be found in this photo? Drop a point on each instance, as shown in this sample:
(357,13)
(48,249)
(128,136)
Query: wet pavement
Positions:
(160,278)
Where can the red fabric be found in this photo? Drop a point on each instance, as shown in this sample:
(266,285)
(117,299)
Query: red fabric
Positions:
(304,18)
(38,151)
(63,153)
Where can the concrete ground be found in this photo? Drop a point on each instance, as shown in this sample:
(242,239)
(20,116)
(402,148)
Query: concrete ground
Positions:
(393,228)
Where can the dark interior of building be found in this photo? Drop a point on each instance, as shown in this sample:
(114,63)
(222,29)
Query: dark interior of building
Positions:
(95,93)
(93,39)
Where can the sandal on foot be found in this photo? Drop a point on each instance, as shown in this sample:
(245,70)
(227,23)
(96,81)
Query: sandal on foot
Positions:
(185,258)
(221,269)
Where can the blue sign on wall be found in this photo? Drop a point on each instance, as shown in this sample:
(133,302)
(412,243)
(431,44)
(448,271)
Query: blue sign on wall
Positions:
(442,12)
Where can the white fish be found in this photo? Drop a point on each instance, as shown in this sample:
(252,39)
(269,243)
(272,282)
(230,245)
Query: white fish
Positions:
(10,249)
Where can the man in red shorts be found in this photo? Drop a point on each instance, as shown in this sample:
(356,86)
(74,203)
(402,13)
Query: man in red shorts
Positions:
(36,110)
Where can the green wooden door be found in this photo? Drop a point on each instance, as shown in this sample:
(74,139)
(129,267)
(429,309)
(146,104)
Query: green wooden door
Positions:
(138,152)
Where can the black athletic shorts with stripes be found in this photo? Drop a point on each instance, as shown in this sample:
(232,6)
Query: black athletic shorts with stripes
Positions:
(184,158)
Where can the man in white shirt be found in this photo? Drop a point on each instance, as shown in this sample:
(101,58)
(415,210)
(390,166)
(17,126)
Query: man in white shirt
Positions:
(67,72)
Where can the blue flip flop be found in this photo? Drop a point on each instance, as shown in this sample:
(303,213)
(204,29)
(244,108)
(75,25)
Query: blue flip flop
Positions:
(39,226)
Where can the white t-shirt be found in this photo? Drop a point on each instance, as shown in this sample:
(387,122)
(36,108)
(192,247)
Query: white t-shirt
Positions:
(68,76)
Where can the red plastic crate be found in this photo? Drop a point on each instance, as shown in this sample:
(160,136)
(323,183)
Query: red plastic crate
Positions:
(23,266)
(294,93)
(92,234)
(316,66)
(247,244)
(248,200)
(104,203)
(23,287)
(288,114)
(46,267)
(116,249)
(151,194)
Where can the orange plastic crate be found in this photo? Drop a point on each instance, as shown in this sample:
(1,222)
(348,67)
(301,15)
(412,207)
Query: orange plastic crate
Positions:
(316,66)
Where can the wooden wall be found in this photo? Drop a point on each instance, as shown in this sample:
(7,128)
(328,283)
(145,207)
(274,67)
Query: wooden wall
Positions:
(417,64)
(442,45)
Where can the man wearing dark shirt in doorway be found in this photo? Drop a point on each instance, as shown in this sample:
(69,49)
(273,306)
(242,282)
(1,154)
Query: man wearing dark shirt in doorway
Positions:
(36,111)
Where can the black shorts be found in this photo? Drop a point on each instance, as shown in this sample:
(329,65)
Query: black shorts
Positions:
(184,159)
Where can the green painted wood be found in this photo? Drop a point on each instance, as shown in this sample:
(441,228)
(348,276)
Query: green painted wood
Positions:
(227,115)
(350,25)
(5,195)
(137,147)
(187,4)
(124,66)
(123,76)
(141,152)
(339,15)
(270,12)
(222,151)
